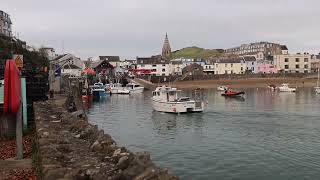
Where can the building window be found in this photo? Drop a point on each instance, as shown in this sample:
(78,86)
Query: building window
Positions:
(305,59)
(163,74)
(225,65)
(286,66)
(154,65)
(297,71)
(286,60)
(306,66)
(252,63)
(226,72)
(231,71)
(241,68)
(142,65)
(306,71)
(163,70)
(297,66)
(231,65)
(163,65)
(297,59)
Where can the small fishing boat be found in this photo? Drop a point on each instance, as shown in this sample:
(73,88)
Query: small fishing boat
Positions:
(98,90)
(117,88)
(134,88)
(167,99)
(285,88)
(232,93)
(222,88)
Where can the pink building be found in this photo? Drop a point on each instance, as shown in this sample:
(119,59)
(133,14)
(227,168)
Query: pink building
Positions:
(266,67)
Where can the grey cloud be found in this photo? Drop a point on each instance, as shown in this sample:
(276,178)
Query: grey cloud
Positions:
(137,27)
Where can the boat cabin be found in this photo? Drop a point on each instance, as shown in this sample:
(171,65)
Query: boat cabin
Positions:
(167,94)
(132,86)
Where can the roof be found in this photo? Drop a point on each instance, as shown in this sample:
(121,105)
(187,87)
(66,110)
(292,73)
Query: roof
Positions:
(176,62)
(284,47)
(151,60)
(71,66)
(249,58)
(59,57)
(110,58)
(94,64)
(227,59)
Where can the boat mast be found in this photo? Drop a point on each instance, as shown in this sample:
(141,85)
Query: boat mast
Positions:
(318,78)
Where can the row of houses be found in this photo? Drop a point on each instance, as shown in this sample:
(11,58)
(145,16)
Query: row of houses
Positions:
(262,57)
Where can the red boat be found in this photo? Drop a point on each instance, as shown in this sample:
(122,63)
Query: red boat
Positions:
(232,93)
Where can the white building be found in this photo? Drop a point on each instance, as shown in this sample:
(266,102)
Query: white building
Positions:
(70,65)
(154,65)
(5,24)
(176,66)
(49,52)
(251,64)
(293,63)
(229,65)
(113,60)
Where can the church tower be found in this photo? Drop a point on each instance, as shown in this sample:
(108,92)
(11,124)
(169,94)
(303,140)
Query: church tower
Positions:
(166,49)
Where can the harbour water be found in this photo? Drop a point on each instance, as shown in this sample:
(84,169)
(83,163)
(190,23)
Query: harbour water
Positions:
(267,135)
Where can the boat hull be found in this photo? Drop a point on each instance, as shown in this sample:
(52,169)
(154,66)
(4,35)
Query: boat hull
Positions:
(177,107)
(136,90)
(287,89)
(119,91)
(238,94)
(99,94)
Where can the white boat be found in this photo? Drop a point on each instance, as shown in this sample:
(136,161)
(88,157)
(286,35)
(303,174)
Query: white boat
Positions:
(285,88)
(98,90)
(222,88)
(117,88)
(166,99)
(134,88)
(317,88)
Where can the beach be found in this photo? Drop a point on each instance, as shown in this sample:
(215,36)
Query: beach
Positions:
(244,83)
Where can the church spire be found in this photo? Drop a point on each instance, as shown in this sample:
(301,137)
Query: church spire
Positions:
(166,49)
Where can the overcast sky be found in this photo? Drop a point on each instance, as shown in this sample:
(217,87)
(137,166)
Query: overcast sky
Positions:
(131,28)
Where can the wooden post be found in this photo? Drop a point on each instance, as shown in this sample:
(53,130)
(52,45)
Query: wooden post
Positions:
(19,150)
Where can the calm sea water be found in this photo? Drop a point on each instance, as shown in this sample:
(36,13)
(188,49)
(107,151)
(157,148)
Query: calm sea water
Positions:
(268,135)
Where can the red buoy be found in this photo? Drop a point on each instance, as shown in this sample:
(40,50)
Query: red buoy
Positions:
(11,88)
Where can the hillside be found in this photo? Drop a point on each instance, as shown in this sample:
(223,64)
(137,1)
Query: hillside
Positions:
(196,52)
(6,45)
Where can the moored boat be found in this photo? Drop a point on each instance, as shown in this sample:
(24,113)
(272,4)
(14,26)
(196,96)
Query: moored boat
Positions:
(232,93)
(117,88)
(285,88)
(134,88)
(166,99)
(98,90)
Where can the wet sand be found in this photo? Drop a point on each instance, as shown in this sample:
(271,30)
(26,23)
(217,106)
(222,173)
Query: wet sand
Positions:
(244,83)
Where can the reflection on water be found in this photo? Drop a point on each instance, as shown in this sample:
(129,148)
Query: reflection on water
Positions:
(265,135)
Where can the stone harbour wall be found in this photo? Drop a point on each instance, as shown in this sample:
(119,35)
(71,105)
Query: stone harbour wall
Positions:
(71,148)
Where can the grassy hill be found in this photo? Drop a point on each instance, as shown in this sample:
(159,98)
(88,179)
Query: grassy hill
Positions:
(196,52)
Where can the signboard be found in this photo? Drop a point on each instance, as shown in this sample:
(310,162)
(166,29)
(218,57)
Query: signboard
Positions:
(58,70)
(18,58)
